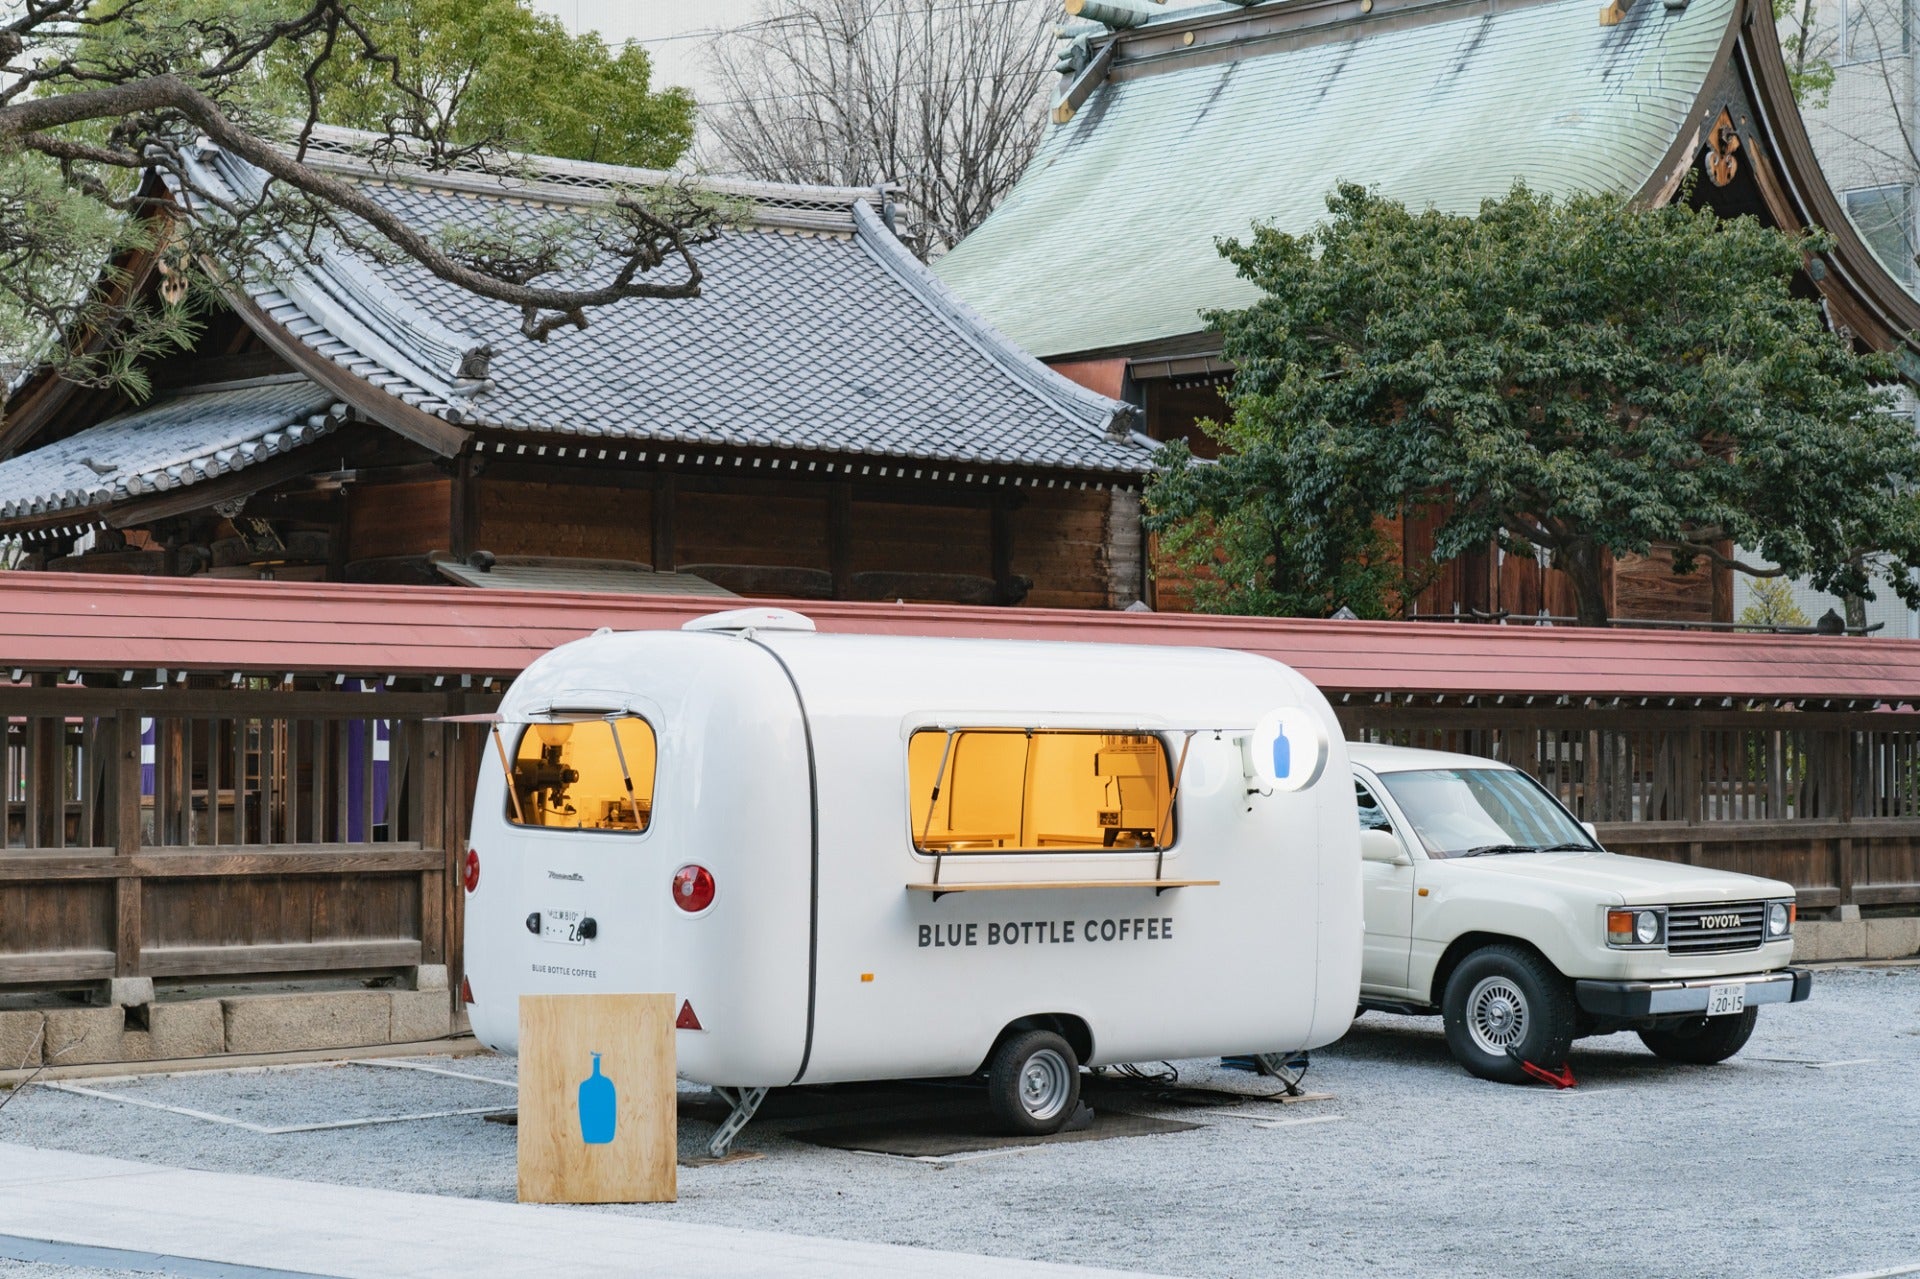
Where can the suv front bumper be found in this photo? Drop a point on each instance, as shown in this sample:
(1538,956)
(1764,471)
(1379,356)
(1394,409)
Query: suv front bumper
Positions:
(1633,999)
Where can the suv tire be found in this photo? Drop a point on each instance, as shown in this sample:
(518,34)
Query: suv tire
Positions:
(1503,998)
(1701,1041)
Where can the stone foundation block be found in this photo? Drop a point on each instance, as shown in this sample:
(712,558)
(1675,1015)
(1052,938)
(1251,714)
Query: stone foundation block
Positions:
(1838,939)
(192,1028)
(294,1022)
(1892,938)
(1808,942)
(130,992)
(430,977)
(420,1014)
(82,1036)
(20,1038)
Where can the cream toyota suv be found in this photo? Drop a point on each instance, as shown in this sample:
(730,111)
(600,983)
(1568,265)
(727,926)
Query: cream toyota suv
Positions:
(1487,902)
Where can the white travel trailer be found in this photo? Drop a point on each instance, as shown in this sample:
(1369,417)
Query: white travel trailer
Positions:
(863,857)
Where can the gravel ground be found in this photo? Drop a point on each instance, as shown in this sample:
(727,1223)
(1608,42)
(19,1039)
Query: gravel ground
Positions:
(1800,1157)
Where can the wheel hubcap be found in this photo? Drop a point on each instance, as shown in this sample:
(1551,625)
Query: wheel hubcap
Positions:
(1045,1080)
(1496,1015)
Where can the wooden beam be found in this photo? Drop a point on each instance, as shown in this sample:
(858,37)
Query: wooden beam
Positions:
(171,375)
(280,957)
(1084,84)
(56,966)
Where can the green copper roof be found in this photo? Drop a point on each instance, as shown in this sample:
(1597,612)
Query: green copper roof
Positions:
(1108,239)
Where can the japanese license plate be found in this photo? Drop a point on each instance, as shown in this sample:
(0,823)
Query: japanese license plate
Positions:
(563,926)
(1722,1000)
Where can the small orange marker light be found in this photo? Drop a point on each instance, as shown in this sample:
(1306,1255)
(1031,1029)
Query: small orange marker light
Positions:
(1423,892)
(866,976)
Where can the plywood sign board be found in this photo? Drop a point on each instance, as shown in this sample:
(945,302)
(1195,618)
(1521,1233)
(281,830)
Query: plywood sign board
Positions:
(597,1121)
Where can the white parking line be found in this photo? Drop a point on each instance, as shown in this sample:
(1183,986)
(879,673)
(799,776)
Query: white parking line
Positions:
(1295,1123)
(1913,1268)
(266,1129)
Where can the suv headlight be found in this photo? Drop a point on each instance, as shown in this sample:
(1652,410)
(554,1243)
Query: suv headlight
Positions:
(1780,917)
(1637,927)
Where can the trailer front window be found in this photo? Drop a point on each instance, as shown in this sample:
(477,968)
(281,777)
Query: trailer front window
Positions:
(1038,790)
(591,774)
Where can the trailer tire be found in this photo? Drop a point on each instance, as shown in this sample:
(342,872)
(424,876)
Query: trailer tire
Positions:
(1033,1083)
(1701,1041)
(1503,1000)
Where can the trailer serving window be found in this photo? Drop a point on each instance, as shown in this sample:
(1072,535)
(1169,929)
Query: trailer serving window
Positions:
(586,774)
(987,790)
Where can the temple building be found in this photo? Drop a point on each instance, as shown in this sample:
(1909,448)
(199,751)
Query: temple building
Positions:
(825,421)
(1176,127)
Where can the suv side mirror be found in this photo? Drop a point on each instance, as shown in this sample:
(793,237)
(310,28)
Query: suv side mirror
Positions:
(1593,832)
(1383,846)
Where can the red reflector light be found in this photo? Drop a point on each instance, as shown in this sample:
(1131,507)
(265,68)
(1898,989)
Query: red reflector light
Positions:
(466,991)
(688,1019)
(470,875)
(693,889)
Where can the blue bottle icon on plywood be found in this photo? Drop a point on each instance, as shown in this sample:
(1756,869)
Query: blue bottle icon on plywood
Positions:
(597,1107)
(1282,753)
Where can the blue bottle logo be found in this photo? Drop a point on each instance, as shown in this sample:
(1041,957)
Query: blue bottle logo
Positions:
(1282,753)
(597,1112)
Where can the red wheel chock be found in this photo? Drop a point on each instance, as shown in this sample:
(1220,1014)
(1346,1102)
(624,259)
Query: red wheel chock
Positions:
(1562,1078)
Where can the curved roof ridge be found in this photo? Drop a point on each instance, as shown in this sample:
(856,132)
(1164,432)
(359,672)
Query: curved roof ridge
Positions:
(356,153)
(1113,419)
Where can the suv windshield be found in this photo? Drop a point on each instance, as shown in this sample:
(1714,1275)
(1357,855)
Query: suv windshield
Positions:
(1473,812)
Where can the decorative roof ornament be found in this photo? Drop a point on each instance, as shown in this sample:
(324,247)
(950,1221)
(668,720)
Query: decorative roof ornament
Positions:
(1722,141)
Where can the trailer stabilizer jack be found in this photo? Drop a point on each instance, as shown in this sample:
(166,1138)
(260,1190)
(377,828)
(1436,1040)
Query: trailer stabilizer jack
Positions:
(743,1102)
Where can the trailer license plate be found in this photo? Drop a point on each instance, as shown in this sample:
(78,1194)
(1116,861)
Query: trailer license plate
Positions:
(1722,1000)
(563,926)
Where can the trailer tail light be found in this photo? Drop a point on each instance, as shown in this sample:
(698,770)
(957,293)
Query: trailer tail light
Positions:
(466,991)
(470,873)
(693,889)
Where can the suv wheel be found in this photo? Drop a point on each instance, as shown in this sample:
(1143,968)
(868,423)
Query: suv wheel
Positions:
(1503,1000)
(1701,1041)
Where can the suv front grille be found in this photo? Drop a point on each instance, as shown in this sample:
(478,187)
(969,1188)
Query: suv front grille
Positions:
(1715,929)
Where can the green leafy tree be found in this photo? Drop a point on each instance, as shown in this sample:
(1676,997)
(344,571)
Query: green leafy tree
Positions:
(1572,377)
(486,73)
(99,96)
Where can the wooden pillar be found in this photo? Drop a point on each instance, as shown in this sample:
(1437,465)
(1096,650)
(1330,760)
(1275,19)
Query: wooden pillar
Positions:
(463,515)
(664,558)
(1002,539)
(430,803)
(123,798)
(840,538)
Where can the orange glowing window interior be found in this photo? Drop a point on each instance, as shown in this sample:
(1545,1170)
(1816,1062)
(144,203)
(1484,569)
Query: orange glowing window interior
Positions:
(1037,790)
(574,776)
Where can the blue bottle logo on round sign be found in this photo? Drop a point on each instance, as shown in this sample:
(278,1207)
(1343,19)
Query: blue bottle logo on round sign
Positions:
(598,1107)
(1288,749)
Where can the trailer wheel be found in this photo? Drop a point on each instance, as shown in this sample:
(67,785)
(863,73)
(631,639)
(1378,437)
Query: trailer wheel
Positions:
(1033,1083)
(1504,1000)
(1701,1041)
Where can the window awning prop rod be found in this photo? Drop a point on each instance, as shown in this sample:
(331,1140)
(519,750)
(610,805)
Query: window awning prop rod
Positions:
(1160,831)
(506,770)
(933,801)
(620,754)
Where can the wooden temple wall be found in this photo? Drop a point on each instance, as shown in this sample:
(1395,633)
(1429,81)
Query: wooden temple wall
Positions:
(1080,547)
(206,834)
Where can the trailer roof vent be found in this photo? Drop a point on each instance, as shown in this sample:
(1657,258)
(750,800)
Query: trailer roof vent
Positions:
(752,619)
